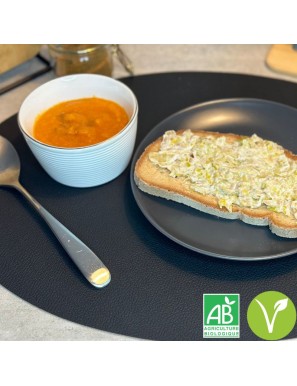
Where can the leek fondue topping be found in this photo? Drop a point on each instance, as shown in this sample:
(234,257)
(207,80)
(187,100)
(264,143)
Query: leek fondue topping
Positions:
(250,172)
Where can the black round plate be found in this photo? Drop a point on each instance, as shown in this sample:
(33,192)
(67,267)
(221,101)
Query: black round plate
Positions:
(204,233)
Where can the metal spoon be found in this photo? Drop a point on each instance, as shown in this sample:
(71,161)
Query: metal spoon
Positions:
(88,263)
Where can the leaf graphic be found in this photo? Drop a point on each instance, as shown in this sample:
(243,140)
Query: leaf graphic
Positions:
(281,305)
(228,301)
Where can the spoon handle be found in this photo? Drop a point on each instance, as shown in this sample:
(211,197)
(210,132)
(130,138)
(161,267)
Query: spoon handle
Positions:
(87,262)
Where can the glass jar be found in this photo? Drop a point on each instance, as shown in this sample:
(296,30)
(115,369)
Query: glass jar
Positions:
(81,58)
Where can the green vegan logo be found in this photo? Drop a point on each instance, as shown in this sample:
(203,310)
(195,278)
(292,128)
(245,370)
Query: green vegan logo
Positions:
(271,315)
(221,316)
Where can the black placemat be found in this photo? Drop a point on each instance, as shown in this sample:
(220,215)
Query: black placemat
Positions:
(157,286)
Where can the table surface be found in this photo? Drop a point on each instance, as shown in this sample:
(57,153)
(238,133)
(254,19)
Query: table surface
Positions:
(20,320)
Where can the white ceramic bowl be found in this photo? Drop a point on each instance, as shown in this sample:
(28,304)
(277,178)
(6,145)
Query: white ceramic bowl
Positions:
(84,166)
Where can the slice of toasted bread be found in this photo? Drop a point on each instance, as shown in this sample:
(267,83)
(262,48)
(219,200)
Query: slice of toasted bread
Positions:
(157,181)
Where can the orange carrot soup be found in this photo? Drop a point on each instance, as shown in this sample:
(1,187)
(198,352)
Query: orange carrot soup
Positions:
(80,122)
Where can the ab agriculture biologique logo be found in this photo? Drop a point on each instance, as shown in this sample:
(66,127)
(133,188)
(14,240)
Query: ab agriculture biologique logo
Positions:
(271,315)
(221,316)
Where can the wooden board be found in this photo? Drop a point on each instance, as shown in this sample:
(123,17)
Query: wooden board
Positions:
(282,58)
(12,55)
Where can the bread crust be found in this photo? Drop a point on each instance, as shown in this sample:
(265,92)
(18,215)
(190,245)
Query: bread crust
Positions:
(156,181)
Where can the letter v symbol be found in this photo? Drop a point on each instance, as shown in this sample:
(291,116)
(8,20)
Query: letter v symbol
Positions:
(280,305)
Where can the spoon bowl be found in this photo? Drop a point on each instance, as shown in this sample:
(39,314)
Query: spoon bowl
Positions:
(9,163)
(88,263)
